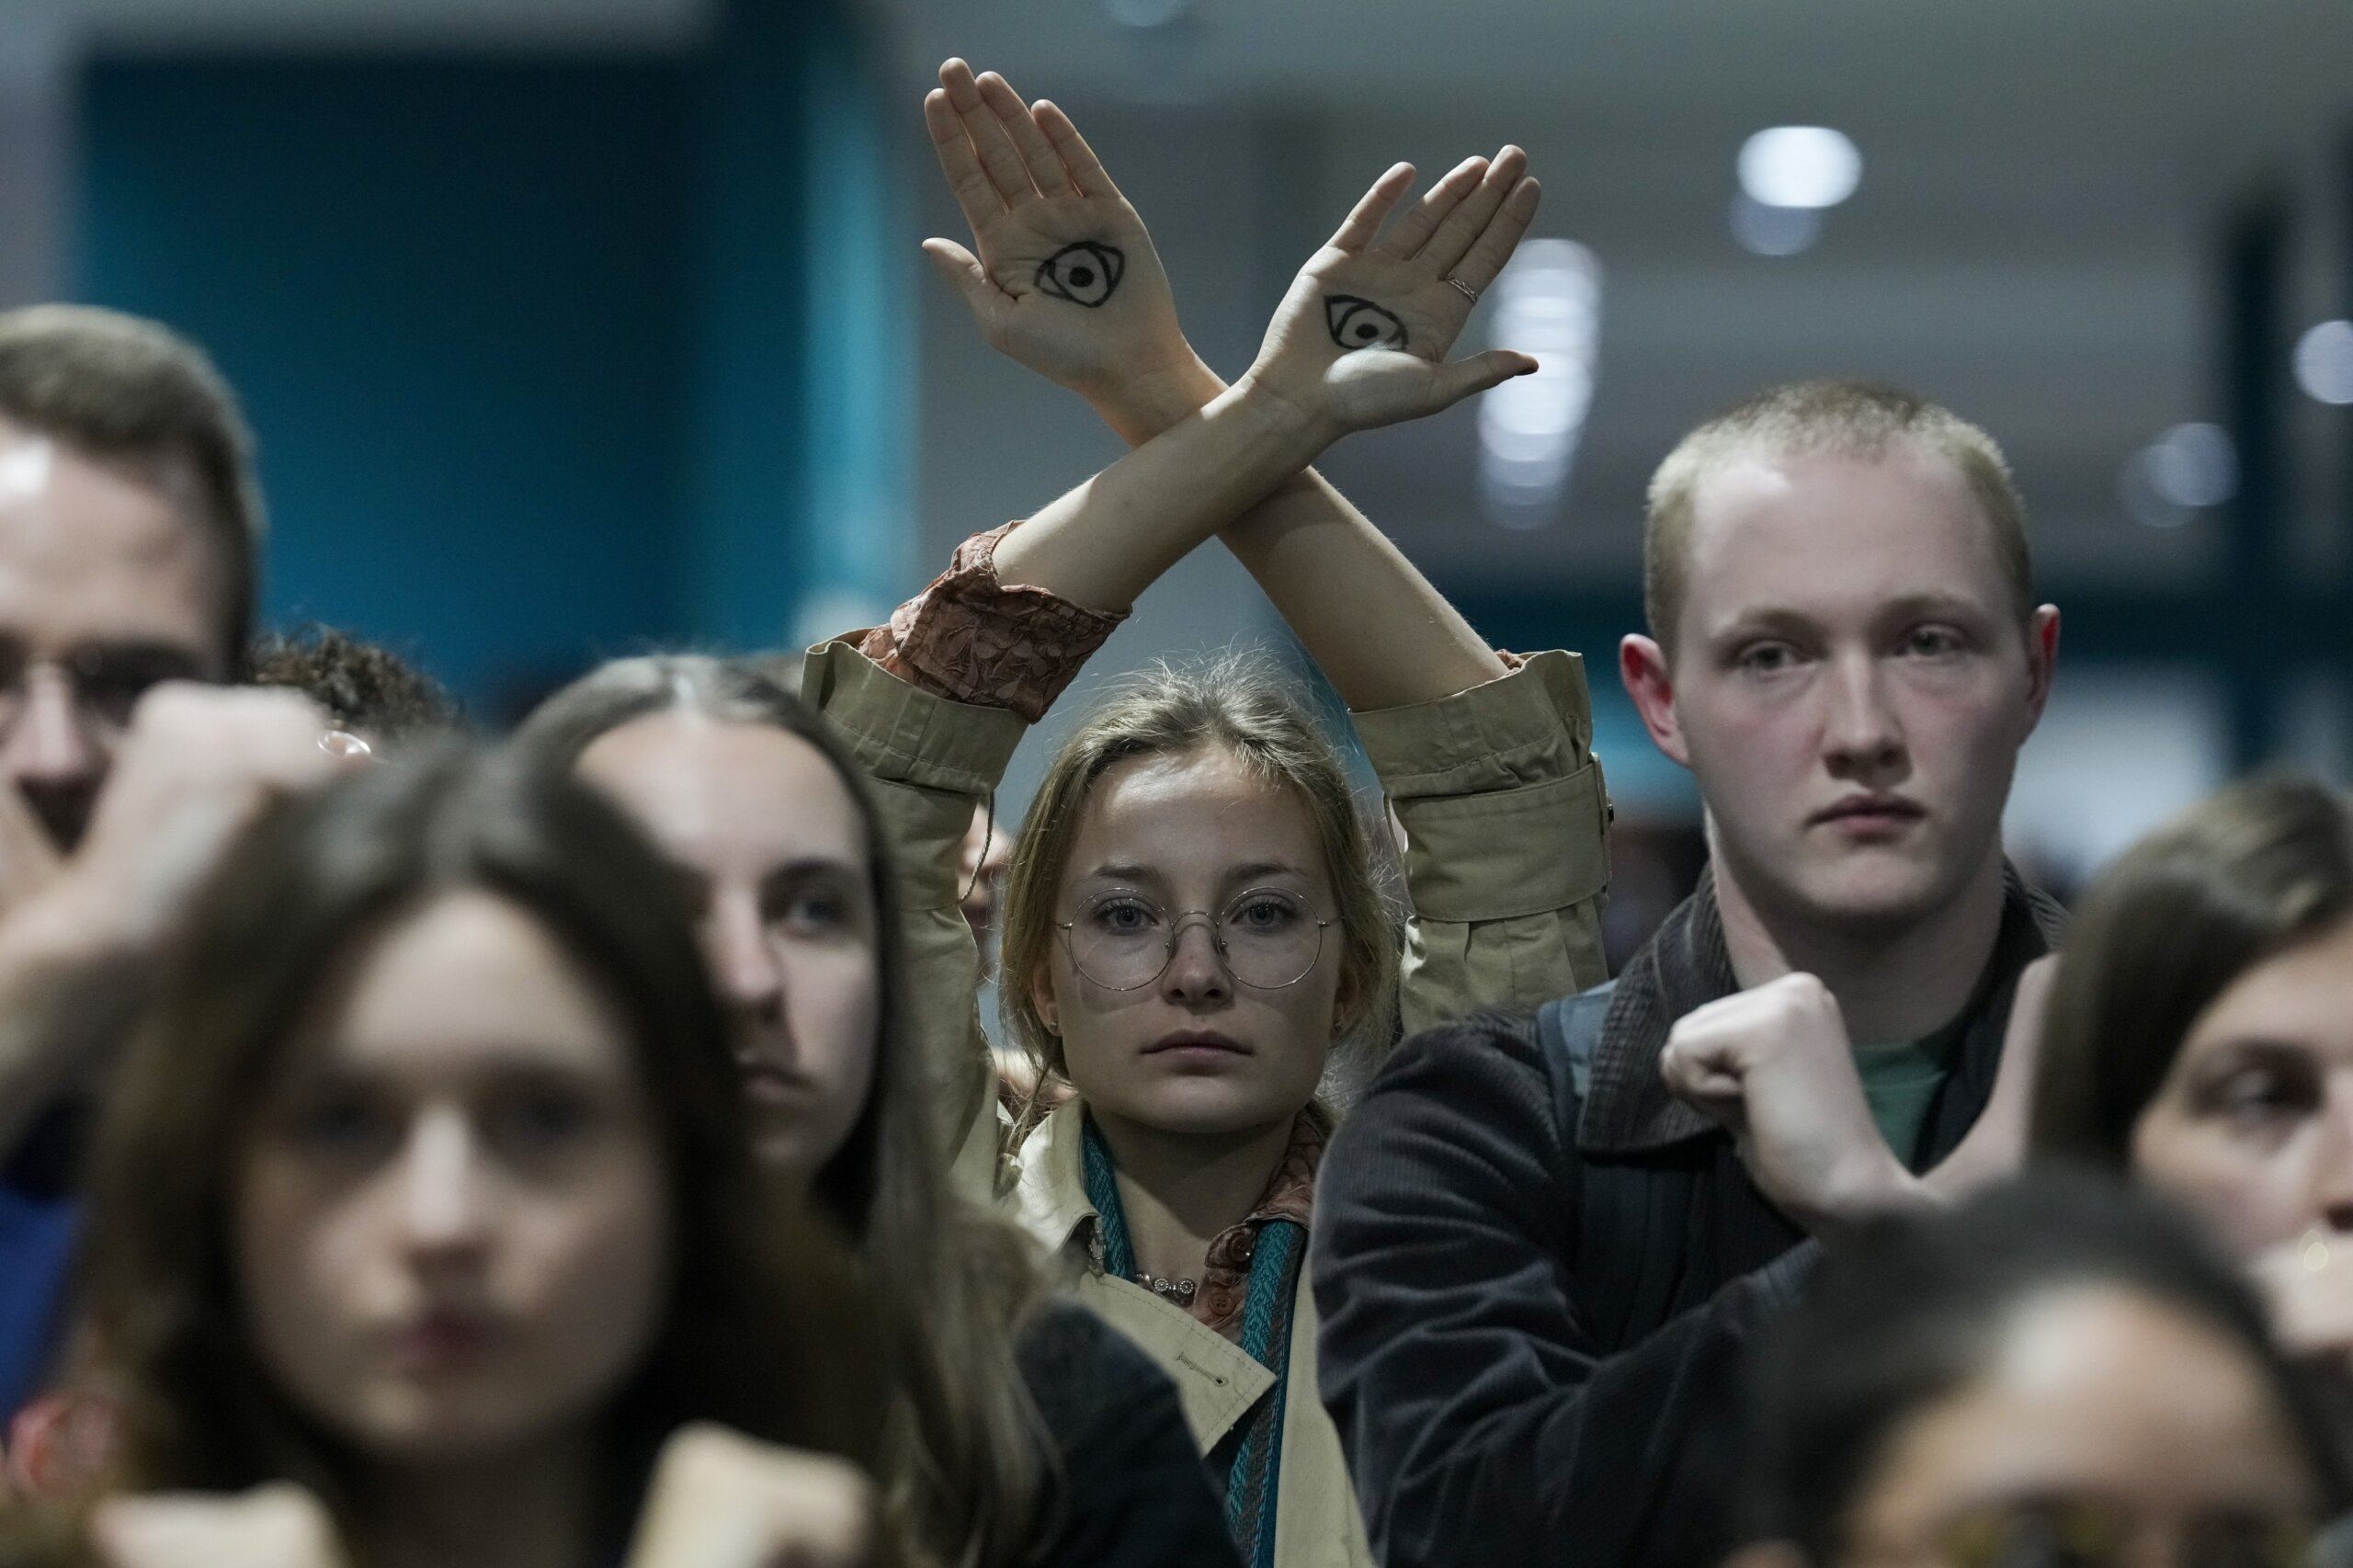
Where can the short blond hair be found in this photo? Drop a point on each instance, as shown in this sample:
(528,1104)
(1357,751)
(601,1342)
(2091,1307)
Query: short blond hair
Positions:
(1848,418)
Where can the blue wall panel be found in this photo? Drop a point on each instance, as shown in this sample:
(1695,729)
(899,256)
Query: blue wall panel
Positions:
(452,293)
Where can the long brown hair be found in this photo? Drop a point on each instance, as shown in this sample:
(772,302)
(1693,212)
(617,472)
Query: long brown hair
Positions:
(1240,703)
(763,1329)
(975,1476)
(2260,867)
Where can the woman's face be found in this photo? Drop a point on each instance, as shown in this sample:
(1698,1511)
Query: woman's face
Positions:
(2110,1431)
(776,850)
(1160,843)
(452,1221)
(2253,1127)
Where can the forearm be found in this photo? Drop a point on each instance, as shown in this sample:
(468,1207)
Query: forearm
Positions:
(1381,633)
(1106,542)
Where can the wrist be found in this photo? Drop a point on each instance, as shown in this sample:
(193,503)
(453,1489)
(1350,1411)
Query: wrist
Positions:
(1306,423)
(1142,404)
(1874,1182)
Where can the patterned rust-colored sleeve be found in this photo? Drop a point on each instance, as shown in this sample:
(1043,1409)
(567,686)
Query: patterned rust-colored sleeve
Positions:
(972,638)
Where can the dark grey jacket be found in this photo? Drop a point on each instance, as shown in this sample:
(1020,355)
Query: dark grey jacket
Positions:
(1536,1297)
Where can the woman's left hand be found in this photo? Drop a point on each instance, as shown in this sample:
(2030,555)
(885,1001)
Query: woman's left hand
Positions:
(723,1499)
(280,1526)
(1361,339)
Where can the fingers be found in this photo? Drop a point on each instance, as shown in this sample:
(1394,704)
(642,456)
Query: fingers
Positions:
(1045,165)
(994,144)
(965,274)
(1087,170)
(976,196)
(1480,268)
(1461,228)
(1415,229)
(1450,383)
(1358,229)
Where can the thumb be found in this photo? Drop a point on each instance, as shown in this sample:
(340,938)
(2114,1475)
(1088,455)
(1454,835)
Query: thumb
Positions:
(964,273)
(1451,383)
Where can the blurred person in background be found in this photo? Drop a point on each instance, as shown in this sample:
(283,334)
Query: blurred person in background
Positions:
(2199,1038)
(364,689)
(1547,1239)
(1192,923)
(426,1227)
(2058,1371)
(1031,1433)
(129,523)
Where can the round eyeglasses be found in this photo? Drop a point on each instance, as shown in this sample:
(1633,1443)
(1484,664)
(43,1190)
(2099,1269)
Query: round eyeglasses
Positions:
(1124,941)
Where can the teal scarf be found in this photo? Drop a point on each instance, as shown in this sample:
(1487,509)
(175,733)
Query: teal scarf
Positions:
(1251,1454)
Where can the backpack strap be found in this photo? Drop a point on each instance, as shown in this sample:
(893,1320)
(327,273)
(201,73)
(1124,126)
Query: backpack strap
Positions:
(1569,1029)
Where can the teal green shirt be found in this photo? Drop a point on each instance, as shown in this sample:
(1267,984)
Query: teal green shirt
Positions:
(1900,1082)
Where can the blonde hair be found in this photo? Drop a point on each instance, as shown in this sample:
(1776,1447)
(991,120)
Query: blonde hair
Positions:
(1240,703)
(1855,419)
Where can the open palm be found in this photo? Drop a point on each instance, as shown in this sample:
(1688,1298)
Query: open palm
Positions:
(1361,336)
(1065,280)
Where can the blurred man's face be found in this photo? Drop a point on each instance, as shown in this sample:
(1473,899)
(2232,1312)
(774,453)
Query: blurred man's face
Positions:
(1850,684)
(107,588)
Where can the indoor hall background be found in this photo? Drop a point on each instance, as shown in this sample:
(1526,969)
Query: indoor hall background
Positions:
(575,324)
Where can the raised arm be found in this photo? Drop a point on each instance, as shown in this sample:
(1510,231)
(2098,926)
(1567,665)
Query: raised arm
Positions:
(1031,189)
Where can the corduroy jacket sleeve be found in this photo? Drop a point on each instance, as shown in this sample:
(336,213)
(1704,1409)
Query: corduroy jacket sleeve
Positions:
(1507,826)
(1481,1423)
(929,762)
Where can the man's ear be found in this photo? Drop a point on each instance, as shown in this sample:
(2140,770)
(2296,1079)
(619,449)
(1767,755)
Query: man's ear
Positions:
(2041,661)
(1642,664)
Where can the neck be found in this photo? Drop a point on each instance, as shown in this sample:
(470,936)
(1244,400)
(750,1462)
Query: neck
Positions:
(1179,1190)
(1895,980)
(533,1509)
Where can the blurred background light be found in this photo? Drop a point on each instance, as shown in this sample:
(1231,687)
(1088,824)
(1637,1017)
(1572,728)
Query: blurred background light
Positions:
(1146,14)
(1548,303)
(2325,362)
(1774,231)
(2190,469)
(1808,166)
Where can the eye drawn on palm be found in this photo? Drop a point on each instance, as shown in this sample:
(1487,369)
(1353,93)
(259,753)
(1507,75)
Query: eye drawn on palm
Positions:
(1065,280)
(1362,335)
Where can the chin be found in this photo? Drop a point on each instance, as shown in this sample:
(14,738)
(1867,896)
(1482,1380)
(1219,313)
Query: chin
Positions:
(1877,888)
(1209,1110)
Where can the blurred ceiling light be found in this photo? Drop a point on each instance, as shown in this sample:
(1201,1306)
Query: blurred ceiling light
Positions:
(1548,304)
(1765,229)
(1809,166)
(2325,362)
(1147,14)
(2190,469)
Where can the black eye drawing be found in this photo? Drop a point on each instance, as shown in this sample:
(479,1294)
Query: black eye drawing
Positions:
(1360,324)
(1084,273)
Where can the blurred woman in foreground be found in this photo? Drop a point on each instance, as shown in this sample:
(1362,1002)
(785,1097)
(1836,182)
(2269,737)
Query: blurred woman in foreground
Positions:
(2056,1373)
(2201,1039)
(426,1203)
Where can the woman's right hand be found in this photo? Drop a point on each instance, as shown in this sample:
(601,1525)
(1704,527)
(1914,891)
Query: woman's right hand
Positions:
(723,1499)
(1066,281)
(1361,339)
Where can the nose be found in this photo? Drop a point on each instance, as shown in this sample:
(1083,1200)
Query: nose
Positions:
(49,744)
(444,1200)
(2333,1160)
(1196,972)
(1860,735)
(743,961)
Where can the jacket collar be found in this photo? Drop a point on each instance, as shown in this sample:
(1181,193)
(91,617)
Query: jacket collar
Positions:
(1048,1199)
(1687,965)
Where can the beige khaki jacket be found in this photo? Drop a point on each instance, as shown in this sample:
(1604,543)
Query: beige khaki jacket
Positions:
(1507,863)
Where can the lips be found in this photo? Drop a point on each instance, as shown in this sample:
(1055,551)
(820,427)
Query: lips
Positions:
(1870,811)
(768,1081)
(1203,1042)
(444,1339)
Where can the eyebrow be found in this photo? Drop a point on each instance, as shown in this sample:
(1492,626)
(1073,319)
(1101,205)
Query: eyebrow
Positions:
(1129,873)
(1780,621)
